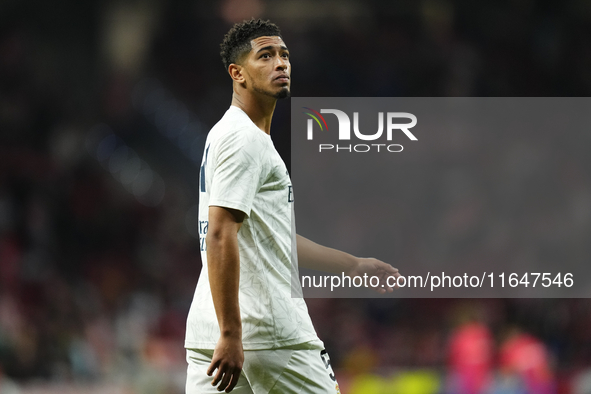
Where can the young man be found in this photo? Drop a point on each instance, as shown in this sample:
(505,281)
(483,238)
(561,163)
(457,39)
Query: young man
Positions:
(244,326)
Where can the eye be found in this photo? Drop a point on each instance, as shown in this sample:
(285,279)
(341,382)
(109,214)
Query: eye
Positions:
(265,56)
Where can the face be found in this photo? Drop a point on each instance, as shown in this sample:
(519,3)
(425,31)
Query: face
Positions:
(267,69)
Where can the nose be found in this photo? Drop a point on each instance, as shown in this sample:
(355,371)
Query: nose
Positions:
(282,64)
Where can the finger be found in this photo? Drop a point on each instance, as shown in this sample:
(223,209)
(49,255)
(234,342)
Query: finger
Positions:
(225,381)
(212,367)
(395,283)
(234,381)
(392,270)
(218,376)
(389,287)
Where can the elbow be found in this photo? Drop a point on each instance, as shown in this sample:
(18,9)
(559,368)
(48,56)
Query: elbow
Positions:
(212,238)
(216,238)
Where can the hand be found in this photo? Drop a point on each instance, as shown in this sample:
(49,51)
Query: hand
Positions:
(375,267)
(228,358)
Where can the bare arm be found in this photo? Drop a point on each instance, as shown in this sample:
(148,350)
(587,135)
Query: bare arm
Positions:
(223,264)
(314,256)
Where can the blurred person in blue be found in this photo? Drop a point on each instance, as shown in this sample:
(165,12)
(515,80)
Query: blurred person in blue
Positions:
(244,322)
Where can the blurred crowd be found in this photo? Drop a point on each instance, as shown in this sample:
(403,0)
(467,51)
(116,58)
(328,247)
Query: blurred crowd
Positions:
(97,269)
(456,346)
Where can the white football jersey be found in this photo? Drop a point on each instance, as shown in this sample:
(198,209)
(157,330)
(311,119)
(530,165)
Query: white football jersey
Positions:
(242,170)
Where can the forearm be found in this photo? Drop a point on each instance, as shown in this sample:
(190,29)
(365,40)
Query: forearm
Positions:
(223,264)
(314,256)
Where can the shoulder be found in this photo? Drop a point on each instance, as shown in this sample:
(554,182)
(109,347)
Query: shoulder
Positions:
(236,132)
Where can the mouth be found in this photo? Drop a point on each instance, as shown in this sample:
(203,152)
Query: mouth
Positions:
(283,78)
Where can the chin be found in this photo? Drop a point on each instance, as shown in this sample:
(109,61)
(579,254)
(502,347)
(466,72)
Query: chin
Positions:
(283,93)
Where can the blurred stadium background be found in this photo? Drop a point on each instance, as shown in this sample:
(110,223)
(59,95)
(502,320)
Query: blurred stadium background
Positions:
(104,107)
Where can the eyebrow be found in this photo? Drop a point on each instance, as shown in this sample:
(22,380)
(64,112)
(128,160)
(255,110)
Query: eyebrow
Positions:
(270,47)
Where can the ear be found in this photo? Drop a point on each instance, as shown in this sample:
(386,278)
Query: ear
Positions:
(236,72)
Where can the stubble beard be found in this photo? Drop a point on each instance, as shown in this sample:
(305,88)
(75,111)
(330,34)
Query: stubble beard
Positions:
(281,94)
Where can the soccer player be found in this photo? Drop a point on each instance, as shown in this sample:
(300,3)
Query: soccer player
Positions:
(245,331)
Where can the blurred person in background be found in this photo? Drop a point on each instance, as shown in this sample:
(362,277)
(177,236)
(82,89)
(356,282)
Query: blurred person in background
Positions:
(524,360)
(470,353)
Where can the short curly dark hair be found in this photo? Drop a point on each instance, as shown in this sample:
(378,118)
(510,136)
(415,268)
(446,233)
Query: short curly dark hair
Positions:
(237,41)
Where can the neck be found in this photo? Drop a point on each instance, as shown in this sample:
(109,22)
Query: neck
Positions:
(257,106)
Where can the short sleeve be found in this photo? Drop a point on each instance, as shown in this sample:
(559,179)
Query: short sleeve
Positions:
(237,166)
